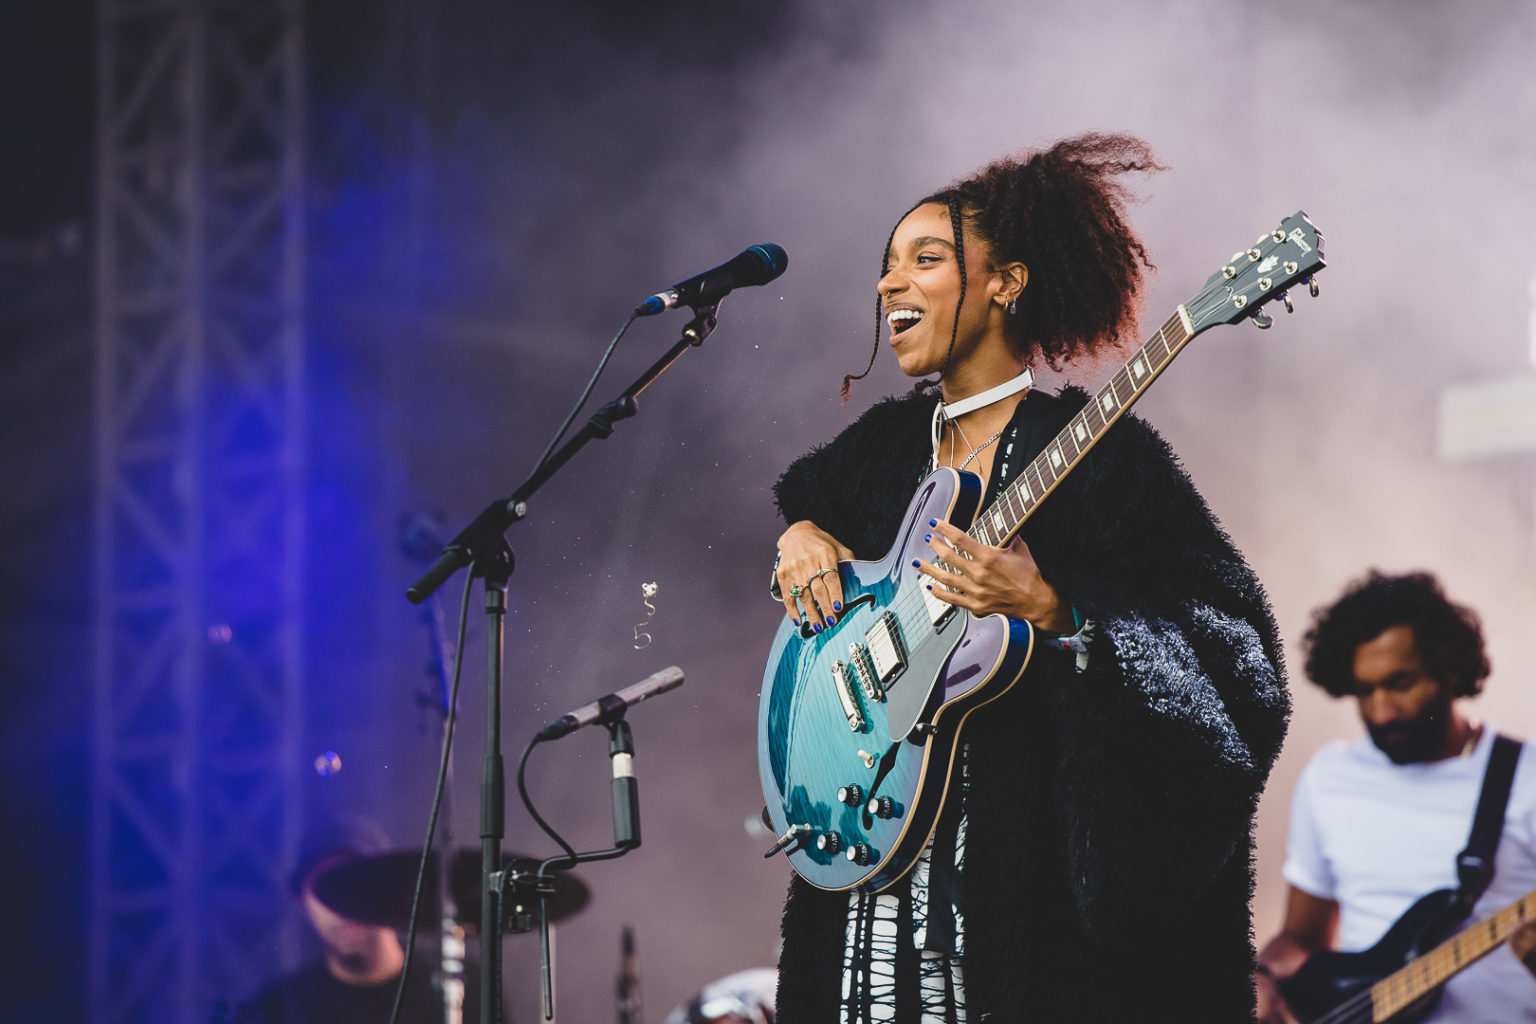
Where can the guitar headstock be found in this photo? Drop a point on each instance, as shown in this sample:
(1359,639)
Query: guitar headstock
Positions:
(1291,253)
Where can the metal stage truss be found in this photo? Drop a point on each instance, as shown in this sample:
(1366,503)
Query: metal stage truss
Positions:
(198,527)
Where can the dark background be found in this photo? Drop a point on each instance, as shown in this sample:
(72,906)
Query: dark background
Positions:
(491,187)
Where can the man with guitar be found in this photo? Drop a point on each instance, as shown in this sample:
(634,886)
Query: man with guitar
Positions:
(1378,826)
(1091,858)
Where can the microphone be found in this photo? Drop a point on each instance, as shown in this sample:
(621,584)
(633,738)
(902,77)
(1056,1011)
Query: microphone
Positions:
(606,709)
(757,265)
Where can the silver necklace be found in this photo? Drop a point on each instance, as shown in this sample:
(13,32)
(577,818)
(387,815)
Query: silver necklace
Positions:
(977,450)
(974,451)
(952,411)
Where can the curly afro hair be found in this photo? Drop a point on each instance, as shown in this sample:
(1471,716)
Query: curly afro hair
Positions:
(1449,636)
(1060,212)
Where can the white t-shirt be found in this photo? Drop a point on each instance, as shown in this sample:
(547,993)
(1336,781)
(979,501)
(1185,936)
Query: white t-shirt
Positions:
(1374,836)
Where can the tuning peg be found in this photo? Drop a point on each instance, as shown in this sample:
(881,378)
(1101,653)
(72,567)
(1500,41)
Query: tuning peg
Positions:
(1312,286)
(1262,320)
(1285,297)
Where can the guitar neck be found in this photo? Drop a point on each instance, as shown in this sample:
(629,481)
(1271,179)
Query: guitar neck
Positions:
(1013,507)
(1397,991)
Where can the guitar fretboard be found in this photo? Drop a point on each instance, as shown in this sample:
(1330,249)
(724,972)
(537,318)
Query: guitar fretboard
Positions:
(1018,501)
(1397,991)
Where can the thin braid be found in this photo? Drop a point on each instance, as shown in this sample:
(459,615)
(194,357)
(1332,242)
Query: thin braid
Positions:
(952,202)
(885,265)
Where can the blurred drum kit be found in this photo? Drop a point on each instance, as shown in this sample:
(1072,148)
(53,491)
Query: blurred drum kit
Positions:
(377,890)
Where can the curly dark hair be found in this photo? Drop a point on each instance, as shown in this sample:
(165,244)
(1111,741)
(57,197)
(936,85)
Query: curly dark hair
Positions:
(1449,636)
(1060,212)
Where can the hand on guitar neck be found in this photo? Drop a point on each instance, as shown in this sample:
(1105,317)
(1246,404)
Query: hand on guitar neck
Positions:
(990,580)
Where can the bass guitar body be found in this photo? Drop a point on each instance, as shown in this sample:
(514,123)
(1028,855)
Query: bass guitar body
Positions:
(1331,986)
(859,724)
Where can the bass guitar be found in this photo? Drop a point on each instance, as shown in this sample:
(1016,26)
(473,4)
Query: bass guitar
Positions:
(1399,979)
(859,724)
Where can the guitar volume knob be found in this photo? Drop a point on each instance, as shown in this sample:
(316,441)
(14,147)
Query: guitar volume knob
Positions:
(829,842)
(851,794)
(881,807)
(860,854)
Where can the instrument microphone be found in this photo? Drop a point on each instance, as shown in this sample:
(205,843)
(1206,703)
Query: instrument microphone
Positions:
(606,709)
(757,265)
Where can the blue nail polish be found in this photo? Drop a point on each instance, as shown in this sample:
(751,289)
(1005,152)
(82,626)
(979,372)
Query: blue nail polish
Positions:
(933,522)
(929,587)
(831,621)
(927,537)
(816,626)
(795,621)
(916,564)
(837,606)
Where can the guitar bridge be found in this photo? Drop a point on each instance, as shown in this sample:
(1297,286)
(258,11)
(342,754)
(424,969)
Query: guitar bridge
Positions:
(846,697)
(864,668)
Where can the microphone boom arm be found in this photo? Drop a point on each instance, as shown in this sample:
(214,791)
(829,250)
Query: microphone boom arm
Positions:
(486,532)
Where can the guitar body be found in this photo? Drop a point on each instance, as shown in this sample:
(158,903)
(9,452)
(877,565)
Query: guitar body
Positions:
(891,750)
(1330,978)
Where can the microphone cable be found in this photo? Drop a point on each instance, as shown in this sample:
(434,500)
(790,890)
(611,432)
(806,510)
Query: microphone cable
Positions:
(586,394)
(437,803)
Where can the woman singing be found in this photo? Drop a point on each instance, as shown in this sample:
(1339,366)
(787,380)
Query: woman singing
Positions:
(1097,864)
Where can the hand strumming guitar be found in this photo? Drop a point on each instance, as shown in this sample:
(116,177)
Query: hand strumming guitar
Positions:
(1522,942)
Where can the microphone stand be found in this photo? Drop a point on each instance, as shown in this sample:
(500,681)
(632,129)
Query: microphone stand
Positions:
(626,837)
(483,547)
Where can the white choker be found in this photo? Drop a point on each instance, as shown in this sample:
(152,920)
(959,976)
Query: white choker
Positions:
(954,410)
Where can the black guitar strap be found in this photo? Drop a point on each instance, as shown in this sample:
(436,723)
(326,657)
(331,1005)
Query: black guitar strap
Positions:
(1474,865)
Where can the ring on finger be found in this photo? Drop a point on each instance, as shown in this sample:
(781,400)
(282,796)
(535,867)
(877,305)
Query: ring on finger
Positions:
(795,591)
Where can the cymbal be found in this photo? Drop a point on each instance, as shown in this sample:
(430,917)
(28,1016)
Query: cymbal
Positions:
(377,889)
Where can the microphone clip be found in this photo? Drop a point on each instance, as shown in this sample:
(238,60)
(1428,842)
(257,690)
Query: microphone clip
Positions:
(626,793)
(703,323)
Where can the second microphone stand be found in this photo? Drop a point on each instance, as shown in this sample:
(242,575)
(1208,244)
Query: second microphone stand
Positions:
(482,545)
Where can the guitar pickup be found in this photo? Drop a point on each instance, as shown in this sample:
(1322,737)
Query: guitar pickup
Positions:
(846,697)
(886,651)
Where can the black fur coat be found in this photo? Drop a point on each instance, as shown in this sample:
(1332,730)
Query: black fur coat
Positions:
(1108,867)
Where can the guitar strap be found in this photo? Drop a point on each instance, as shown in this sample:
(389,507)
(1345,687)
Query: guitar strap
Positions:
(1474,865)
